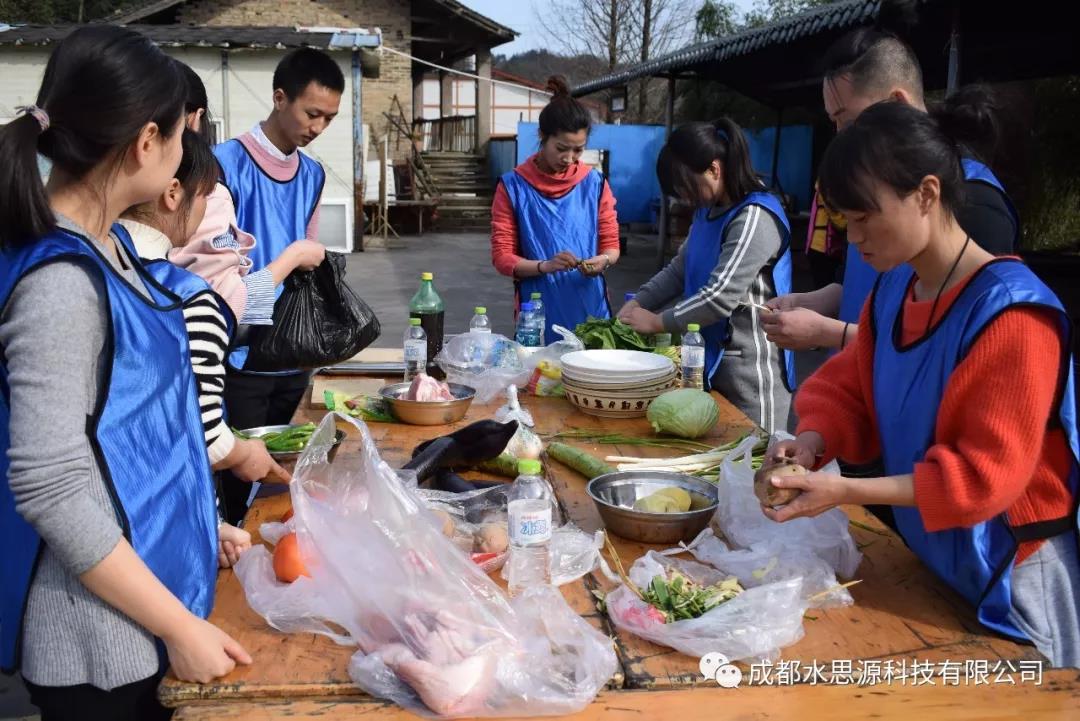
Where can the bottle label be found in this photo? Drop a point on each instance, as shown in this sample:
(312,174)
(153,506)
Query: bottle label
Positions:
(693,356)
(416,352)
(530,527)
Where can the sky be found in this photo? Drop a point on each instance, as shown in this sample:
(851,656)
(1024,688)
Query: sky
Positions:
(521,16)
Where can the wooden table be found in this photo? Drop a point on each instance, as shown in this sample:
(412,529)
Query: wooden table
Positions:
(901,612)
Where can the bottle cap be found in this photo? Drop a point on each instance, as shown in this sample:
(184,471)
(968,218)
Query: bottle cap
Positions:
(629,297)
(529,467)
(480,310)
(427,276)
(414,321)
(693,328)
(536,296)
(527,306)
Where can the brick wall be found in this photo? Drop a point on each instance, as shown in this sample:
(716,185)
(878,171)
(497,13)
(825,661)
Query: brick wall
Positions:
(391,16)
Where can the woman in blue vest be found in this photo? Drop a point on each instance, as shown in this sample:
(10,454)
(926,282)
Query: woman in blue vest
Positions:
(107,516)
(735,258)
(961,380)
(553,223)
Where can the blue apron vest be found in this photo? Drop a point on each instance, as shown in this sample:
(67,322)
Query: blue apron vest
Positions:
(703,253)
(147,437)
(187,285)
(547,226)
(276,213)
(908,385)
(859,276)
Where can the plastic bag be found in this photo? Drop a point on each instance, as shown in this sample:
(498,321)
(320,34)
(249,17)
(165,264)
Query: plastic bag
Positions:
(470,512)
(741,522)
(525,443)
(435,634)
(318,321)
(546,366)
(751,627)
(487,362)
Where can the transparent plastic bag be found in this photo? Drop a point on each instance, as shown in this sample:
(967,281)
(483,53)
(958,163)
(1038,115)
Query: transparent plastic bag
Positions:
(525,443)
(435,634)
(740,520)
(487,362)
(470,513)
(751,627)
(545,365)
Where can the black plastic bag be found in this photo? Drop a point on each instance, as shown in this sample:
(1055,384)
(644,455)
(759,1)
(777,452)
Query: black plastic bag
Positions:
(318,321)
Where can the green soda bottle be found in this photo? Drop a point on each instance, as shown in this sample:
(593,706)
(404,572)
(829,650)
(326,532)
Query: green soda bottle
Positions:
(428,307)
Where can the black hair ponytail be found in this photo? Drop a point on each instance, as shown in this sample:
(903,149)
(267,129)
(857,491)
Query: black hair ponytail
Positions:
(563,113)
(693,147)
(971,116)
(197,100)
(102,85)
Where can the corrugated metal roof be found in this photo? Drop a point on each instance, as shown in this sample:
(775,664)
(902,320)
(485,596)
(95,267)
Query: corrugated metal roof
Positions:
(835,16)
(202,36)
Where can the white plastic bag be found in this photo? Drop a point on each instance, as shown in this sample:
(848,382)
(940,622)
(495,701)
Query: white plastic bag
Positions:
(435,634)
(525,443)
(751,627)
(487,362)
(545,365)
(742,523)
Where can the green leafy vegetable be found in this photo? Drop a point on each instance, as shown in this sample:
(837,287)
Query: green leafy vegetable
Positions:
(614,335)
(680,598)
(685,412)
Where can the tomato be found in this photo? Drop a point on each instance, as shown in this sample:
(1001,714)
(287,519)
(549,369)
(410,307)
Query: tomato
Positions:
(288,565)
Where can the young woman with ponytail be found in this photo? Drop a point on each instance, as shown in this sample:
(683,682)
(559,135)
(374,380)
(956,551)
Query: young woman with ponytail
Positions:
(553,223)
(107,513)
(735,258)
(960,379)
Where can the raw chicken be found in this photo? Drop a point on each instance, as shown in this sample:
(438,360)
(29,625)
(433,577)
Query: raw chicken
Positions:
(426,388)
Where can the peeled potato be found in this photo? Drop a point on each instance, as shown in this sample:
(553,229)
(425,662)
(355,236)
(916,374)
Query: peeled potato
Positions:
(680,496)
(656,503)
(447,520)
(770,495)
(491,538)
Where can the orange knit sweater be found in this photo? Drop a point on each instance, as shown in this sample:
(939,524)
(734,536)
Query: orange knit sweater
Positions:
(992,448)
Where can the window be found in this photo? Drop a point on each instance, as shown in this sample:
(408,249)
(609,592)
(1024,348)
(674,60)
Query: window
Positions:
(217,131)
(336,224)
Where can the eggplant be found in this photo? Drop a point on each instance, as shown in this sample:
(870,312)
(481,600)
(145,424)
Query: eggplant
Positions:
(468,446)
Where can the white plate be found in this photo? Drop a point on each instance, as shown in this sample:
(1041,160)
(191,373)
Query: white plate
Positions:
(599,381)
(622,363)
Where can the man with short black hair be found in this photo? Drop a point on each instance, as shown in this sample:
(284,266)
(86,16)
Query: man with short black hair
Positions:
(276,190)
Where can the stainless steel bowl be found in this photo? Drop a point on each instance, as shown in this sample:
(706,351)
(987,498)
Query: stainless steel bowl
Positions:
(261,431)
(615,493)
(428,413)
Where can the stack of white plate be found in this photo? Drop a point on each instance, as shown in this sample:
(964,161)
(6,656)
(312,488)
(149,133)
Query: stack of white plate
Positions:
(616,383)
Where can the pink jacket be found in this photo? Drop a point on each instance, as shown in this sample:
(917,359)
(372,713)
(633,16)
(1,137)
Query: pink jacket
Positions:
(220,265)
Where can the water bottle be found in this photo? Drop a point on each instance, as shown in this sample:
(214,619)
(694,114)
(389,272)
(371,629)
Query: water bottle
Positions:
(693,358)
(530,505)
(539,314)
(527,330)
(415,347)
(480,322)
(629,297)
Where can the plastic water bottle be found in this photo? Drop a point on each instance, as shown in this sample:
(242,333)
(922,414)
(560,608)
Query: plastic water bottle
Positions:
(693,358)
(530,505)
(540,315)
(629,297)
(527,330)
(415,347)
(480,322)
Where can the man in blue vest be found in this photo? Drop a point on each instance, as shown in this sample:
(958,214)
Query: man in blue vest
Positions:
(276,190)
(865,67)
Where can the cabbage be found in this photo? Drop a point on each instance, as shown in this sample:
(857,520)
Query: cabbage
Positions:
(686,412)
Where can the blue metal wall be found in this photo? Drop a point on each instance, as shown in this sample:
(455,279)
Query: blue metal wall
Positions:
(632,152)
(501,156)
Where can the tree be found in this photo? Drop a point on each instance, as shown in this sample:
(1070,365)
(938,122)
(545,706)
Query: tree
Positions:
(47,12)
(715,19)
(767,11)
(588,27)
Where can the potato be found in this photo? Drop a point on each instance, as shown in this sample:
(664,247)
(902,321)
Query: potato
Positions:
(680,496)
(491,538)
(447,522)
(770,495)
(656,503)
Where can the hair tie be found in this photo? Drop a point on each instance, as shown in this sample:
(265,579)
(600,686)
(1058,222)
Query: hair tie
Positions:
(38,114)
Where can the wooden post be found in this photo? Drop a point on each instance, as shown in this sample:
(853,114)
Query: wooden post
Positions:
(358,154)
(484,91)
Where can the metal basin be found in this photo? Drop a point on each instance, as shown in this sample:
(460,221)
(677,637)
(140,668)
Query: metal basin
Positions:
(615,493)
(428,413)
(260,431)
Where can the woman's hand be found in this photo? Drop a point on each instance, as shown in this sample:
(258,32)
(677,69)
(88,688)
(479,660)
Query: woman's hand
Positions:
(258,465)
(564,260)
(627,307)
(596,265)
(820,492)
(643,321)
(307,254)
(200,651)
(803,450)
(232,541)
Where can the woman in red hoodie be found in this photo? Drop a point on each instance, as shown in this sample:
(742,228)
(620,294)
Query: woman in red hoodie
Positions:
(553,224)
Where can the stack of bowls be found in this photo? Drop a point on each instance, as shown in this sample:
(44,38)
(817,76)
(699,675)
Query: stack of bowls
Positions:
(615,383)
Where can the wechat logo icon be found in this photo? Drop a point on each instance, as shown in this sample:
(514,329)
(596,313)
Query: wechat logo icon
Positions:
(715,667)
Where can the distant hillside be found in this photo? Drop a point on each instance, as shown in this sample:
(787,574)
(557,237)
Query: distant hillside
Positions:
(538,65)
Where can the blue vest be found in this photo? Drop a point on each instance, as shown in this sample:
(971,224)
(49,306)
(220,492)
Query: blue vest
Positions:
(276,213)
(187,285)
(547,226)
(703,253)
(147,437)
(859,276)
(908,386)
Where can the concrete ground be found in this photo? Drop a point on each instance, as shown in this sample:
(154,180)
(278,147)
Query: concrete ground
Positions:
(464,277)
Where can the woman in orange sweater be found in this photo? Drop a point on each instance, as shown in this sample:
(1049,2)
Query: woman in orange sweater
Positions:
(960,379)
(553,223)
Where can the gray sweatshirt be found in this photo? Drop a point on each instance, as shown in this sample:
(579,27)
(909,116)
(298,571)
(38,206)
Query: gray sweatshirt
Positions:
(751,373)
(52,335)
